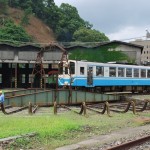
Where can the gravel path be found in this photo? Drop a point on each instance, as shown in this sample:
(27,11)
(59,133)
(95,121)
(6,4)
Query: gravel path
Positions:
(105,141)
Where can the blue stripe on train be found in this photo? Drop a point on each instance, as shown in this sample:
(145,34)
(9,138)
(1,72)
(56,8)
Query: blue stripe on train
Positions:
(107,81)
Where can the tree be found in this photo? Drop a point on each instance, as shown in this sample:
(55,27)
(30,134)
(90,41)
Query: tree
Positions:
(69,22)
(23,4)
(13,33)
(64,20)
(89,35)
(3,6)
(25,18)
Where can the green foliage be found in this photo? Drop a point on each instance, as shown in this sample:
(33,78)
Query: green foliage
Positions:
(59,130)
(24,4)
(69,22)
(89,35)
(3,6)
(101,54)
(46,126)
(12,33)
(25,19)
(64,20)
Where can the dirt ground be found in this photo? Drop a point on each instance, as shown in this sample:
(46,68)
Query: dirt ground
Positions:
(36,28)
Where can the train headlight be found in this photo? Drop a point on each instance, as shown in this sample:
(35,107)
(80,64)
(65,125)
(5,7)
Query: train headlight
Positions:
(65,83)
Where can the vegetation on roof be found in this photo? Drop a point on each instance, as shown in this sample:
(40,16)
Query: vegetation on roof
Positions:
(99,54)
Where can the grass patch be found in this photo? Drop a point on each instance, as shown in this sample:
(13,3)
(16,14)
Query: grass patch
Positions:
(58,130)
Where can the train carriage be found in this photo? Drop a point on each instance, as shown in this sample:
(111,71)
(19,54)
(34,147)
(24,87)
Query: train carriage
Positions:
(100,75)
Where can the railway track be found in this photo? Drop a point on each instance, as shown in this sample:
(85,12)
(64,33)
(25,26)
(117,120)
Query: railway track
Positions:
(22,96)
(101,108)
(131,144)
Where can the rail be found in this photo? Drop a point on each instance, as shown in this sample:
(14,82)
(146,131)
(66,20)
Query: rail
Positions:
(127,145)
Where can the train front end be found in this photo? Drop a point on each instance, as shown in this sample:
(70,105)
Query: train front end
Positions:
(66,73)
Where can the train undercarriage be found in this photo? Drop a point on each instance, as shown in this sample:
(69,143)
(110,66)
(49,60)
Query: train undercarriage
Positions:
(104,89)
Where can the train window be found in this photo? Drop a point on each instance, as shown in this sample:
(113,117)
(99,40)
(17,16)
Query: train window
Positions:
(121,72)
(143,73)
(148,73)
(129,72)
(136,73)
(99,71)
(81,70)
(72,68)
(66,70)
(112,72)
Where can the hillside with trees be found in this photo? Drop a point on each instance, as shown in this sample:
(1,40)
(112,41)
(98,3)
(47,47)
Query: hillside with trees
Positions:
(19,18)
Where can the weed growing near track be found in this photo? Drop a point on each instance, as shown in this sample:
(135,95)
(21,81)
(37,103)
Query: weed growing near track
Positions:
(58,130)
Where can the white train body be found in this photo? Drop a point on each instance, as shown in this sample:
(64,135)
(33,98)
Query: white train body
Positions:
(92,74)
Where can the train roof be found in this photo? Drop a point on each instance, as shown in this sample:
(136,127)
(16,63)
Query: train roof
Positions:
(109,64)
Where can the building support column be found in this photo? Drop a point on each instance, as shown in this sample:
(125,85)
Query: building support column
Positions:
(16,76)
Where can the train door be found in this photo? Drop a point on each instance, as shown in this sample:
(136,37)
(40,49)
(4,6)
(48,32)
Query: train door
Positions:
(89,75)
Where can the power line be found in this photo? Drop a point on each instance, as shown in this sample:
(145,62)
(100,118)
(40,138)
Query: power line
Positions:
(132,38)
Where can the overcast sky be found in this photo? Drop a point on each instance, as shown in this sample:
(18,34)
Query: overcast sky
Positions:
(118,19)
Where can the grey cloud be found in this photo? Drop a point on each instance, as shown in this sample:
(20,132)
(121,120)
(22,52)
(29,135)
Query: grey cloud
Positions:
(111,15)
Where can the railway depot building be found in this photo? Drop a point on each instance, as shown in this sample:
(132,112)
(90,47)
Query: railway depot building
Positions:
(133,51)
(19,64)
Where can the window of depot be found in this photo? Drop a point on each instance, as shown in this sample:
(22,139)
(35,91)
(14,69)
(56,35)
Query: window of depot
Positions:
(22,65)
(30,78)
(14,65)
(23,78)
(31,65)
(45,66)
(54,66)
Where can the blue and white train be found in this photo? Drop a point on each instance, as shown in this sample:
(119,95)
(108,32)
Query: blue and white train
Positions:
(104,75)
